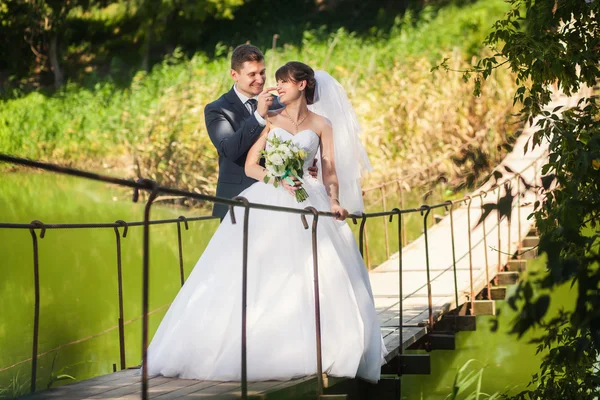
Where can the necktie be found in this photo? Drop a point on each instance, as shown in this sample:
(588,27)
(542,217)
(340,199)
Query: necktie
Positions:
(253,104)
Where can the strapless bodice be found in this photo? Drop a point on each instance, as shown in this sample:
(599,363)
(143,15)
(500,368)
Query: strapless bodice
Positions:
(306,139)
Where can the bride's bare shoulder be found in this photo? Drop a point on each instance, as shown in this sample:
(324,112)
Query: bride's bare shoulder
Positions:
(321,123)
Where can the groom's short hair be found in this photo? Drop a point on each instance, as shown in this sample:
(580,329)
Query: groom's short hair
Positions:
(243,53)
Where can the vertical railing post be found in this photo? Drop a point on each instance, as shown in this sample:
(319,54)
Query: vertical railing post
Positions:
(427,210)
(519,247)
(367,253)
(120,291)
(536,185)
(153,186)
(451,204)
(36,305)
(317,297)
(185,222)
(364,242)
(401,192)
(244,366)
(400,312)
(385,225)
(509,222)
(485,249)
(499,231)
(472,295)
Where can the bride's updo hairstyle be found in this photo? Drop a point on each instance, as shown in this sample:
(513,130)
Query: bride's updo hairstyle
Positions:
(296,71)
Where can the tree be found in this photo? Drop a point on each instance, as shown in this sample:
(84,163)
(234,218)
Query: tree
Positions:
(14,52)
(47,28)
(556,43)
(156,14)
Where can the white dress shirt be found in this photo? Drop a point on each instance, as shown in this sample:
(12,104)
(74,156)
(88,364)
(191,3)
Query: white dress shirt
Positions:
(244,100)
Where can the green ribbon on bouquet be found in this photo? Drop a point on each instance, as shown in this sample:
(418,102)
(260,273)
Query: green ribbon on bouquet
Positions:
(288,178)
(301,193)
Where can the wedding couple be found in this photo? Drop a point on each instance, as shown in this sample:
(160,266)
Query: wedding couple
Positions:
(200,336)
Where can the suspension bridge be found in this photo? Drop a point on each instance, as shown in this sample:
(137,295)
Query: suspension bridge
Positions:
(425,294)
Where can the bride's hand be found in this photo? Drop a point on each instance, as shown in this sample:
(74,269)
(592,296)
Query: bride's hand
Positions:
(291,189)
(341,212)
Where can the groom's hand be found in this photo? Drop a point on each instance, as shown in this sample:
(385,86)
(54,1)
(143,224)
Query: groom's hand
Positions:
(265,100)
(314,170)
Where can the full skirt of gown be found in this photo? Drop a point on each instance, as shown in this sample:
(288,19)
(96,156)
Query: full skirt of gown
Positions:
(200,336)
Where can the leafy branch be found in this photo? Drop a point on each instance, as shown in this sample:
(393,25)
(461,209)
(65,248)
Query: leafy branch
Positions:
(552,47)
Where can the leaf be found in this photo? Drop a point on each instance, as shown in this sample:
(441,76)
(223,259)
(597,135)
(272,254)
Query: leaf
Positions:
(541,307)
(63,377)
(512,302)
(547,181)
(494,324)
(527,291)
(523,324)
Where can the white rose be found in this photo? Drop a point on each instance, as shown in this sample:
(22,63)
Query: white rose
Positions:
(287,152)
(275,159)
(273,171)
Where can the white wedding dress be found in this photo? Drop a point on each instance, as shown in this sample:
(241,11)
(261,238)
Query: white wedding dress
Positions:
(200,336)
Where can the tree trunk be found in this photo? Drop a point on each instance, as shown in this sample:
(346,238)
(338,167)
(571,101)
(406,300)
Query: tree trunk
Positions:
(148,46)
(56,70)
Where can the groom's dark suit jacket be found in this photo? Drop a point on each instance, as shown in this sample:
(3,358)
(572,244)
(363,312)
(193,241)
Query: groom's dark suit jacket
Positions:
(232,130)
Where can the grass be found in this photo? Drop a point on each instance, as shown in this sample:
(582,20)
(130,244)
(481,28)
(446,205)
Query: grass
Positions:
(470,378)
(15,388)
(410,116)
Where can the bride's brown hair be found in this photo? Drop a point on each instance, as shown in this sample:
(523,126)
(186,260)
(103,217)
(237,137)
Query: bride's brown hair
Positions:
(296,71)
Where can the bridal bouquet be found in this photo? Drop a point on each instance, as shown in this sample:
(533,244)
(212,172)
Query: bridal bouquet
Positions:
(284,161)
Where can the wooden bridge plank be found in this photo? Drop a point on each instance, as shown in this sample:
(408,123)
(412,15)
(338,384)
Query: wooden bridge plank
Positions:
(184,391)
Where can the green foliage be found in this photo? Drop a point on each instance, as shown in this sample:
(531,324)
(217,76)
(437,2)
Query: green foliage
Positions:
(465,379)
(545,43)
(15,388)
(155,128)
(570,371)
(56,376)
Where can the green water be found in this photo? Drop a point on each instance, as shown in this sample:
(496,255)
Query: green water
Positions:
(507,362)
(79,288)
(78,279)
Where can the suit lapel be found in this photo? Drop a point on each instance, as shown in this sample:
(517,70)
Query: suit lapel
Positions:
(235,101)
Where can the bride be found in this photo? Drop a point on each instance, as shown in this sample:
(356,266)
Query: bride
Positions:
(200,336)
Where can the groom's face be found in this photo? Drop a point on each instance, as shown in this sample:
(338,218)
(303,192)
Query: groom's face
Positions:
(250,79)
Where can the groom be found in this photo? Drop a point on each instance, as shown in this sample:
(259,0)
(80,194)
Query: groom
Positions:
(235,120)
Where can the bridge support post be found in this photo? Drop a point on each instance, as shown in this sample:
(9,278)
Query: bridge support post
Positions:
(442,341)
(411,364)
(457,323)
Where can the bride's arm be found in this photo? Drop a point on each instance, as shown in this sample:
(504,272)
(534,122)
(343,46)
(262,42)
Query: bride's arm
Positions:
(252,168)
(330,179)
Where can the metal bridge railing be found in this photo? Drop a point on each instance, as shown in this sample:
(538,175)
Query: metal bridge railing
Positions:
(154,189)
